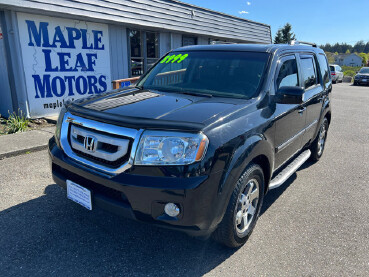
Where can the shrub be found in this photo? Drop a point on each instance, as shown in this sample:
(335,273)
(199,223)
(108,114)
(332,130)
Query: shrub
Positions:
(16,123)
(350,73)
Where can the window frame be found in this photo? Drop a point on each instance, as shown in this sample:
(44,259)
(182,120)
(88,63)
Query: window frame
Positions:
(280,62)
(194,37)
(143,53)
(318,79)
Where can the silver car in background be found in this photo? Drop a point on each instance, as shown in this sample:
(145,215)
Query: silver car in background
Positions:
(336,73)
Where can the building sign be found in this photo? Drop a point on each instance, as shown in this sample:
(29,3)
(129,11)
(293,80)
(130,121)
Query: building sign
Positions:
(63,59)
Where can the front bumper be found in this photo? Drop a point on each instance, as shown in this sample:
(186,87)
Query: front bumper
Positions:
(143,197)
(362,81)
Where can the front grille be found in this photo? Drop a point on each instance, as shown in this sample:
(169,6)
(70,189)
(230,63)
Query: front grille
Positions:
(113,164)
(99,147)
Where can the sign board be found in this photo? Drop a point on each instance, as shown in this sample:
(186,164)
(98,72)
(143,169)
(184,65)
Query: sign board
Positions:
(63,59)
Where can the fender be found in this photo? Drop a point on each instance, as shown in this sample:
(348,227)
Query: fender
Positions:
(325,109)
(253,147)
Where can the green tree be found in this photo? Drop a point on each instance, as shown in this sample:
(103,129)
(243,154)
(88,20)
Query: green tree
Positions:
(284,35)
(364,57)
(348,51)
(359,46)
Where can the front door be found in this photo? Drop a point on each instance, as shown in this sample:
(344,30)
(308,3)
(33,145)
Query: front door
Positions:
(290,121)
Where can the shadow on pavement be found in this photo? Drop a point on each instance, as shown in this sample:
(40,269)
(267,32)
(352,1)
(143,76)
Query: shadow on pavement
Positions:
(50,234)
(274,194)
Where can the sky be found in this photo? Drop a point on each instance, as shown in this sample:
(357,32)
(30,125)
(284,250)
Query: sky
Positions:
(319,21)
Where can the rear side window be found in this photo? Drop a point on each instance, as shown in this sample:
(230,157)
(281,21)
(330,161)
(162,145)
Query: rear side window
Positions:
(287,75)
(324,68)
(308,71)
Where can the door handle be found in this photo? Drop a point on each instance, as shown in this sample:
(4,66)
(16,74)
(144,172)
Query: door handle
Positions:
(301,111)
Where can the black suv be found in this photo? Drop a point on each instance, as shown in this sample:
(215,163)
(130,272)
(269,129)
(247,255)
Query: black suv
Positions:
(200,139)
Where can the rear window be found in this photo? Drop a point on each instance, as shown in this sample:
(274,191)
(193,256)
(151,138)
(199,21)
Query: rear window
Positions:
(219,73)
(332,68)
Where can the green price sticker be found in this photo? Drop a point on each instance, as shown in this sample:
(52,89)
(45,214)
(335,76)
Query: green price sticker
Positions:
(174,58)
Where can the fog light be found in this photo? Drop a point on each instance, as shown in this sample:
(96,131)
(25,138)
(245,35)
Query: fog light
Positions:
(171,209)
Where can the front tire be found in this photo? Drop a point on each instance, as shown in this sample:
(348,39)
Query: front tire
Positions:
(318,145)
(243,208)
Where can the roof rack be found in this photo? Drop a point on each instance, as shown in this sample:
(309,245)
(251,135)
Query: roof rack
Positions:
(295,42)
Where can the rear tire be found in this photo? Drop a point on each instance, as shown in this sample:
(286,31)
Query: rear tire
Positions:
(318,146)
(243,209)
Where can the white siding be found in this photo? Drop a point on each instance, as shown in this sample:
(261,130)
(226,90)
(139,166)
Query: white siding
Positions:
(118,52)
(156,14)
(164,43)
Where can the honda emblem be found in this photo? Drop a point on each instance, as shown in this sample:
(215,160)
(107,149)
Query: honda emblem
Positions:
(90,143)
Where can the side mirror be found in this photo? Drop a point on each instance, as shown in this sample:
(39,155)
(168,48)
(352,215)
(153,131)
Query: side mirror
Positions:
(290,95)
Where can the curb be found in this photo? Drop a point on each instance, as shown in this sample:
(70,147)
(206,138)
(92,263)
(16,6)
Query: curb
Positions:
(23,151)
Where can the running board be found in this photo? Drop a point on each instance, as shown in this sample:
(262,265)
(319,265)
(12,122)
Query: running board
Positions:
(289,170)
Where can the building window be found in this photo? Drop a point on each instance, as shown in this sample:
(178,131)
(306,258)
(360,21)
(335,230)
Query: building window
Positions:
(152,49)
(144,51)
(189,41)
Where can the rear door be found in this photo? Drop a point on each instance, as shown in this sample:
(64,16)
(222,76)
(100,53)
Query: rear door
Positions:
(313,95)
(341,73)
(290,119)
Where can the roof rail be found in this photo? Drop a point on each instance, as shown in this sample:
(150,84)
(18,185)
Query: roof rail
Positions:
(222,42)
(295,42)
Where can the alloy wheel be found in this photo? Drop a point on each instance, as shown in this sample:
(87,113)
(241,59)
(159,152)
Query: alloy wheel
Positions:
(246,207)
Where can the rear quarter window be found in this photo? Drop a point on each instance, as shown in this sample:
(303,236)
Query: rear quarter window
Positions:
(323,66)
(308,71)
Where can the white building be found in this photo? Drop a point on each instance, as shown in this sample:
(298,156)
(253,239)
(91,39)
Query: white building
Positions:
(348,60)
(53,50)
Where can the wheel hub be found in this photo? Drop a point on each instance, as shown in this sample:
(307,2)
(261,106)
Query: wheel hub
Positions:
(321,140)
(246,207)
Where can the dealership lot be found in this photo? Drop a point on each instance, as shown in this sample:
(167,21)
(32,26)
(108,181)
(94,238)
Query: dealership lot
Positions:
(316,224)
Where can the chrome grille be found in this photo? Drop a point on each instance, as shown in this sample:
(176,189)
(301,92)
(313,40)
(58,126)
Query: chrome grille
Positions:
(106,148)
(96,144)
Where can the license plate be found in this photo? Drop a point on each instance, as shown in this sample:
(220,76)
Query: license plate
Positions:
(365,80)
(79,194)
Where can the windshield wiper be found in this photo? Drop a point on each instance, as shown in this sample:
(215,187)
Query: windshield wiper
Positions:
(181,90)
(197,94)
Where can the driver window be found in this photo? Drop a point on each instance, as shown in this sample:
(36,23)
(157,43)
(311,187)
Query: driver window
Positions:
(287,75)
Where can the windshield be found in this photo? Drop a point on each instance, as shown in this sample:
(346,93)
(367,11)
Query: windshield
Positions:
(215,73)
(332,68)
(364,70)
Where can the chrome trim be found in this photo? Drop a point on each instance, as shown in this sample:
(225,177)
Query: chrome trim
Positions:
(121,143)
(103,127)
(311,124)
(290,140)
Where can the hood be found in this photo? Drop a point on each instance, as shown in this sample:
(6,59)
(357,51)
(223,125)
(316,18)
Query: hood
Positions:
(162,106)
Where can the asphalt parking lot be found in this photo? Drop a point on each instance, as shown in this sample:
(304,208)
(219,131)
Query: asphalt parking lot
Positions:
(316,224)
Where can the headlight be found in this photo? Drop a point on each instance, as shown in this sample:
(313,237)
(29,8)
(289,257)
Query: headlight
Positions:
(59,124)
(170,148)
(357,76)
